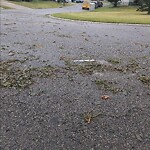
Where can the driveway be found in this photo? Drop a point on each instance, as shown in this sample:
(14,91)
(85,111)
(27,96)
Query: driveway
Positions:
(73,85)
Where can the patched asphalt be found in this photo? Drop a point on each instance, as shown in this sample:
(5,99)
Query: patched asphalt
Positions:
(50,102)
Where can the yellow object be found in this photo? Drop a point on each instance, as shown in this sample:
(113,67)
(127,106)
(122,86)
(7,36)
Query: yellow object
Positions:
(86,4)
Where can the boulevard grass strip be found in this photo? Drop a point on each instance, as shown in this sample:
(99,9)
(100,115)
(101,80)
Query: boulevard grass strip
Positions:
(39,4)
(121,14)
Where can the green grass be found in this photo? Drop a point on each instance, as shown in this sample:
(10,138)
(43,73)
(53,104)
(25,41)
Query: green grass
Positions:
(4,7)
(39,4)
(122,14)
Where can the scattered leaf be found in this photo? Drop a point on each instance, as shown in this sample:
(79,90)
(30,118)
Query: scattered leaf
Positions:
(88,118)
(105,97)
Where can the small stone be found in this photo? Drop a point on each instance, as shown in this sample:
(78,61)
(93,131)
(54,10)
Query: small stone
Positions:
(11,54)
(139,137)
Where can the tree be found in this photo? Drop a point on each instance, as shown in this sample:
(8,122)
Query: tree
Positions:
(144,5)
(114,2)
(147,2)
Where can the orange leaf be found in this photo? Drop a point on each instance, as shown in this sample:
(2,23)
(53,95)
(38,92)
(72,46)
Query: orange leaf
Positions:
(105,97)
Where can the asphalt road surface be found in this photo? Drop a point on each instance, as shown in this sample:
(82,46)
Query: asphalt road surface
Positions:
(73,85)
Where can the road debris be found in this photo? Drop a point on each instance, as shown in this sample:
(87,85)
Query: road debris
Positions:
(88,118)
(105,97)
(86,60)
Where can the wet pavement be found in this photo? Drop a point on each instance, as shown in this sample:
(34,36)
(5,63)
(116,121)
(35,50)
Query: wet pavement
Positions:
(51,102)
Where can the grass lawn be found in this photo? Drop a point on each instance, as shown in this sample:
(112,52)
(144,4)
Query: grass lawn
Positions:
(4,7)
(39,4)
(122,14)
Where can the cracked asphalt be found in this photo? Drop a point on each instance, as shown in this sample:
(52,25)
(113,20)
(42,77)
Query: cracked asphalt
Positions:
(48,102)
